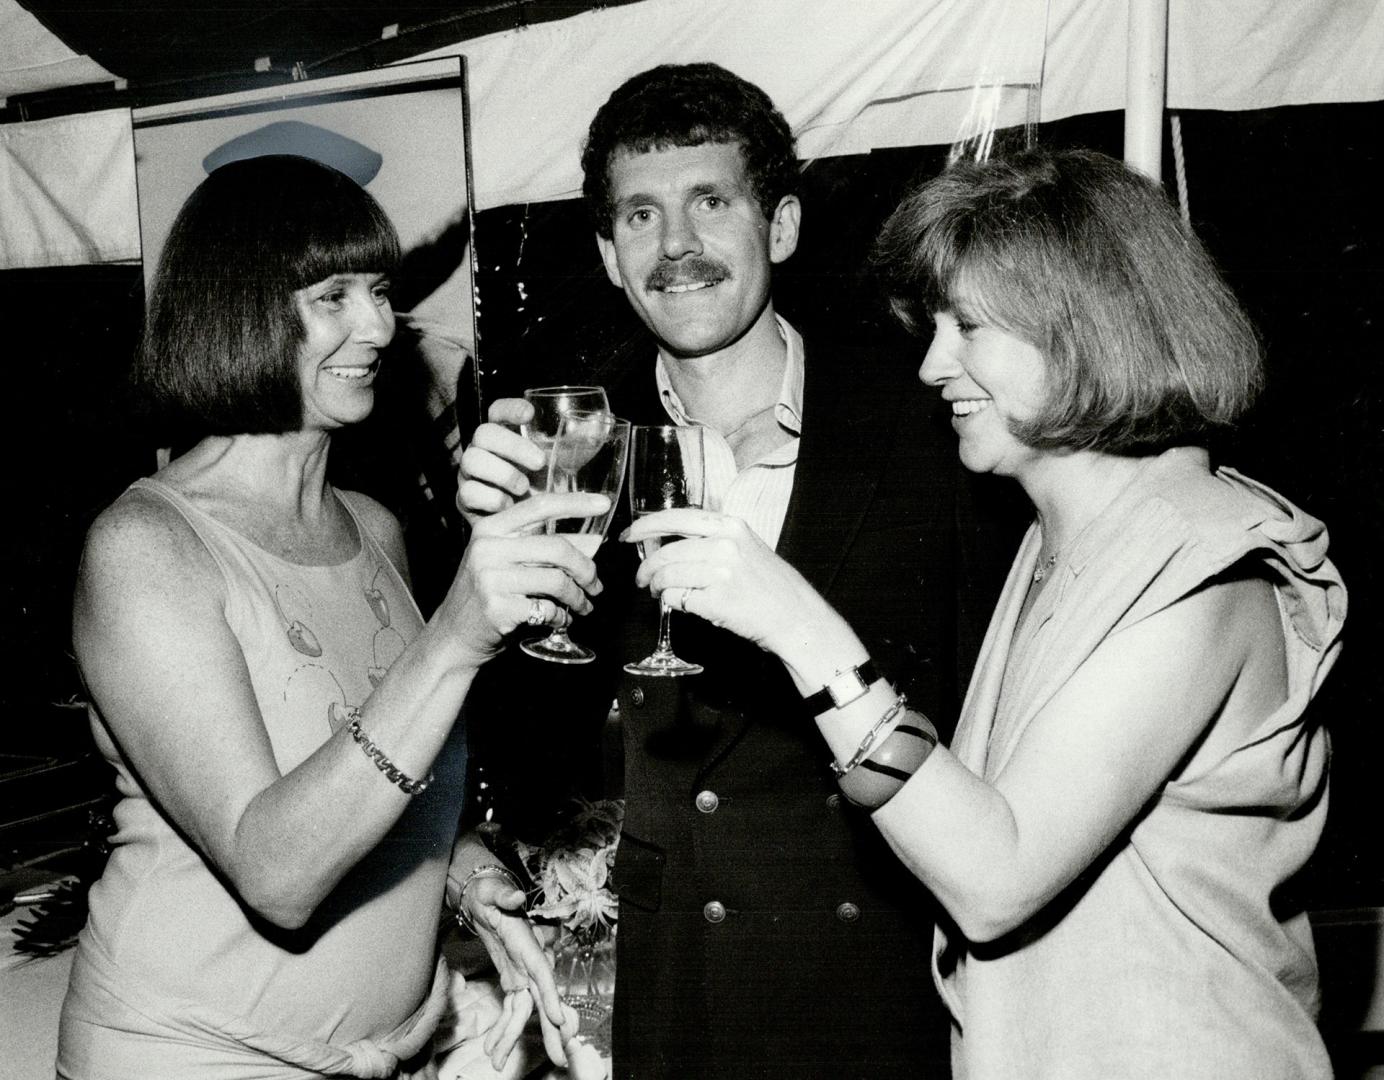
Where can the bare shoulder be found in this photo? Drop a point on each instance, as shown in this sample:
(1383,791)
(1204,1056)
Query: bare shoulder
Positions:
(382,524)
(1238,609)
(1230,633)
(140,545)
(1249,623)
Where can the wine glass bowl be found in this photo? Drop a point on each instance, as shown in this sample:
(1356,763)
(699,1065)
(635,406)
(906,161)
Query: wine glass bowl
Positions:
(667,471)
(550,405)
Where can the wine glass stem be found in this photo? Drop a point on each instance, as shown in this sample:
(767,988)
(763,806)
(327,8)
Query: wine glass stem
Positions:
(665,628)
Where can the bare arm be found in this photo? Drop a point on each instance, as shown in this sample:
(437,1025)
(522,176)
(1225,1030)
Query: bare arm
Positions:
(171,683)
(996,853)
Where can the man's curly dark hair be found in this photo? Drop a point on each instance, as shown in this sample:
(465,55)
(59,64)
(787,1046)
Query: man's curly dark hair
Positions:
(689,105)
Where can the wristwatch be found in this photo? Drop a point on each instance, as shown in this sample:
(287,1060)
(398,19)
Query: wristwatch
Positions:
(843,688)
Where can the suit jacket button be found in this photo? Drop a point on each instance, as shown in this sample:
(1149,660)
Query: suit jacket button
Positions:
(707,801)
(847,912)
(714,912)
(637,695)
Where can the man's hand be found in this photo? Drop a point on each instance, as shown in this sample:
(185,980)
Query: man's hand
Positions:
(491,476)
(496,910)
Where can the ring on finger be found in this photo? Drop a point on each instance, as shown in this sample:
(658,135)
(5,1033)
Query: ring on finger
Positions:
(538,612)
(682,600)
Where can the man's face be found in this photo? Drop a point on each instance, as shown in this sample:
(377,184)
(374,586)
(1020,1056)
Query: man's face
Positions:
(690,245)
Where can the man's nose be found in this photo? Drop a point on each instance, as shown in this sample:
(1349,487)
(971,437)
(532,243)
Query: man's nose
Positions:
(680,237)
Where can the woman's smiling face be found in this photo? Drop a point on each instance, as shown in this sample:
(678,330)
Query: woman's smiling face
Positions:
(347,320)
(991,378)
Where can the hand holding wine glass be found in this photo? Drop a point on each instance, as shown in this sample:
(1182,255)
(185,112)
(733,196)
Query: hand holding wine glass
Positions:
(667,471)
(506,460)
(588,454)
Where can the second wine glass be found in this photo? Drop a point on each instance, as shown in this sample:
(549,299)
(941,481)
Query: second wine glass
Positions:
(588,454)
(666,471)
(550,405)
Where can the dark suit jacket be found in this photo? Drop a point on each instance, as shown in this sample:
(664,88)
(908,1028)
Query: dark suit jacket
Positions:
(820,965)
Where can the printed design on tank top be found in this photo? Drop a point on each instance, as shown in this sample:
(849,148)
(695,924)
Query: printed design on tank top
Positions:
(296,611)
(317,681)
(388,642)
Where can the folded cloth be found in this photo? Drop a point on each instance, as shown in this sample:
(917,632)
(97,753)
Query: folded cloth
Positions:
(193,1037)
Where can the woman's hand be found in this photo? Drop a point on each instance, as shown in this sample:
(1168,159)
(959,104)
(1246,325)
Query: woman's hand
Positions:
(511,576)
(496,909)
(727,575)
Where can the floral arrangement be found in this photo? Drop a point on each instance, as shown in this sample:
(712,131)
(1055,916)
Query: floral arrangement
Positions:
(571,871)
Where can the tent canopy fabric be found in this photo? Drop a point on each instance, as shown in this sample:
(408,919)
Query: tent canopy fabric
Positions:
(33,59)
(849,77)
(164,43)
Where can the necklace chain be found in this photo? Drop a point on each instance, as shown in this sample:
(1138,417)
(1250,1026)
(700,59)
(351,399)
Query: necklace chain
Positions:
(1045,567)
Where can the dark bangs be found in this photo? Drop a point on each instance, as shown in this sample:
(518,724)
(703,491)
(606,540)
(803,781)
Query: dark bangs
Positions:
(336,236)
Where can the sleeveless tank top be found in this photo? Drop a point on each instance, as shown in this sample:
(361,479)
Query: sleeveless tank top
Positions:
(173,974)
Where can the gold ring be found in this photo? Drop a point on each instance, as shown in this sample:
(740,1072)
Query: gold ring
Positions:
(536,612)
(682,600)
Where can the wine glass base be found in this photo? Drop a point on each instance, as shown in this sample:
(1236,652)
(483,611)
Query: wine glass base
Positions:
(664,667)
(558,651)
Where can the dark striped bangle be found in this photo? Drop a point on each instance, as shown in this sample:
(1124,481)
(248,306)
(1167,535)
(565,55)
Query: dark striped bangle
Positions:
(886,718)
(883,774)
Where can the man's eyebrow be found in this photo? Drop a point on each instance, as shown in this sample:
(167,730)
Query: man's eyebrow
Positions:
(637,198)
(703,187)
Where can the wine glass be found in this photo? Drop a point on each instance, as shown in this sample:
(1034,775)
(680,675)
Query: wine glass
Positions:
(666,471)
(550,405)
(588,454)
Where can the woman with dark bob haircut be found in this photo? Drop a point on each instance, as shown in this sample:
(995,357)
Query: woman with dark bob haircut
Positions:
(282,722)
(1132,779)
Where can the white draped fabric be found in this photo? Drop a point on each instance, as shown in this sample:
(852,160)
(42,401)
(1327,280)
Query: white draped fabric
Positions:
(67,191)
(850,76)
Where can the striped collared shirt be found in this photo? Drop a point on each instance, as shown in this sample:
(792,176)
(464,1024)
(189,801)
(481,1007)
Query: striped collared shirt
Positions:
(758,493)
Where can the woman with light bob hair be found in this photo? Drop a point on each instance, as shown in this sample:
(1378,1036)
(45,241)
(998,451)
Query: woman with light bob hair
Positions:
(1145,345)
(1133,779)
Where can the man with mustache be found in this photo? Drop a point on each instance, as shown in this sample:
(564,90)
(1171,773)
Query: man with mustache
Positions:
(765,930)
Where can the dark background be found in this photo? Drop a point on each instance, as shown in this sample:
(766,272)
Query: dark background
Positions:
(1284,198)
